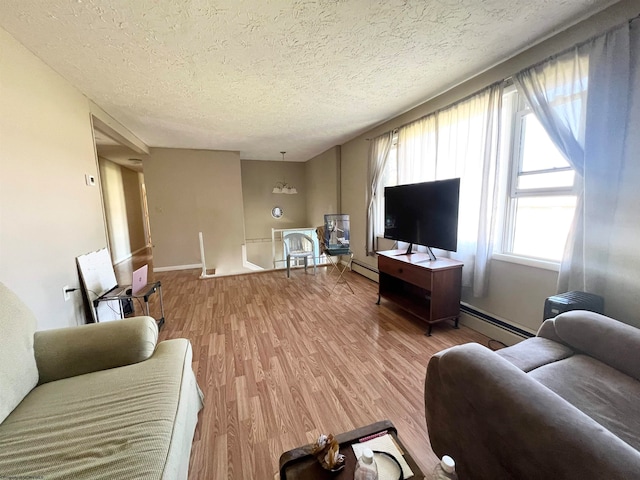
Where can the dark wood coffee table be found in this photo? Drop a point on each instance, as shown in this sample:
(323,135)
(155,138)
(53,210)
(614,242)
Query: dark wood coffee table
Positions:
(299,463)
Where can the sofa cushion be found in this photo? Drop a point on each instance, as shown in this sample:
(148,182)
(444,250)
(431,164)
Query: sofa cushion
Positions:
(535,352)
(117,423)
(19,373)
(610,341)
(603,393)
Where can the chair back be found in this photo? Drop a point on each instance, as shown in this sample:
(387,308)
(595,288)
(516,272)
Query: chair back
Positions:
(298,244)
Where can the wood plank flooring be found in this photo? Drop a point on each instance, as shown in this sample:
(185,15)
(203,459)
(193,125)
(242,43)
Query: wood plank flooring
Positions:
(280,361)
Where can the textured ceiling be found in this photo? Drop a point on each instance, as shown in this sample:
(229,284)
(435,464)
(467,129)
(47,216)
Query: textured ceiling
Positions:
(271,75)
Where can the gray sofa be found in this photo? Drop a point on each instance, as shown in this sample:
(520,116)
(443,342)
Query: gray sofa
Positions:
(562,405)
(99,401)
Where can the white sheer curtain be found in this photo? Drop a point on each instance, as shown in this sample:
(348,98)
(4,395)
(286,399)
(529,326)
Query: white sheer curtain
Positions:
(460,141)
(379,149)
(581,98)
(417,147)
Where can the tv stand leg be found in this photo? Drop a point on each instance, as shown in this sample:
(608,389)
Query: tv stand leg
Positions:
(378,302)
(428,332)
(456,323)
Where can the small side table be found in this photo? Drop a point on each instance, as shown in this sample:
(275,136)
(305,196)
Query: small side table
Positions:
(120,294)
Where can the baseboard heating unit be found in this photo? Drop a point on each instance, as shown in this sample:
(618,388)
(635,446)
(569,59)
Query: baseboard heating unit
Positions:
(469,310)
(364,265)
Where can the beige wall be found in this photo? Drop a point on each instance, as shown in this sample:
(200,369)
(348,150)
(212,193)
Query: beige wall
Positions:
(48,215)
(123,209)
(516,292)
(353,181)
(317,182)
(323,185)
(191,191)
(258,180)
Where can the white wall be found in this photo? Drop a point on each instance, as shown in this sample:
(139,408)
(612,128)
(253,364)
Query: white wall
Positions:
(48,216)
(516,292)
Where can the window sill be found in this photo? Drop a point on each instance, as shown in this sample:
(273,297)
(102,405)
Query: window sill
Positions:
(527,261)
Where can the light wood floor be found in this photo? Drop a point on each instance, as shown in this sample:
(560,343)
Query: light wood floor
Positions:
(280,361)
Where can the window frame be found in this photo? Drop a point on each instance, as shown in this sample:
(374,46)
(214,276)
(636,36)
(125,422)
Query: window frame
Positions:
(515,160)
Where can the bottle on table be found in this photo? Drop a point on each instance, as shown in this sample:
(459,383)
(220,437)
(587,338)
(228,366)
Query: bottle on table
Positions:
(366,468)
(445,469)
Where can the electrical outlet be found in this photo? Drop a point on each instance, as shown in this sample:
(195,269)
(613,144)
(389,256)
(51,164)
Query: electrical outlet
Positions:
(67,295)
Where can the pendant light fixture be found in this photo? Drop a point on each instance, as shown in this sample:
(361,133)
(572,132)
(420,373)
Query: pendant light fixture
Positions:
(284,187)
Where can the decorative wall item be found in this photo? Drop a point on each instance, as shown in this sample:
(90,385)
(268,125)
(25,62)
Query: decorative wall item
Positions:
(277,212)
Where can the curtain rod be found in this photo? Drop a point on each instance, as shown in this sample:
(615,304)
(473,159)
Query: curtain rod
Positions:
(509,80)
(438,110)
(584,42)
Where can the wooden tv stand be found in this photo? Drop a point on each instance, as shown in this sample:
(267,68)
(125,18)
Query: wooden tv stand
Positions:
(428,289)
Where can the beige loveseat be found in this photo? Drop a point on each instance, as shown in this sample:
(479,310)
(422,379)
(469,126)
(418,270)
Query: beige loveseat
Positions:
(99,401)
(562,405)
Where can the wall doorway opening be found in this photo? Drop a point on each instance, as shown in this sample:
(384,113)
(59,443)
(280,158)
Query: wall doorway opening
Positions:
(124,203)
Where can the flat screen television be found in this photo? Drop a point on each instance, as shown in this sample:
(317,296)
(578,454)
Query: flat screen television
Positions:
(423,214)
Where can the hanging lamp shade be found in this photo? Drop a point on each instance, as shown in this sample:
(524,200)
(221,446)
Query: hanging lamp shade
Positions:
(284,187)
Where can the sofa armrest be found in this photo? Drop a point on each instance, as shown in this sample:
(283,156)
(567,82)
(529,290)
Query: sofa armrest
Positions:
(604,338)
(497,422)
(67,352)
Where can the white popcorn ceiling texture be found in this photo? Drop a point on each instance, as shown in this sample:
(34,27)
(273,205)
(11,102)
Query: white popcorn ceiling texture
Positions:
(265,76)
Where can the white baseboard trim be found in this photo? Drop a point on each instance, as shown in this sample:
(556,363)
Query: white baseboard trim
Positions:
(177,267)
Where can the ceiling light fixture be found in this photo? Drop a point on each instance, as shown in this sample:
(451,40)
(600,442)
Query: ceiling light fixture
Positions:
(284,187)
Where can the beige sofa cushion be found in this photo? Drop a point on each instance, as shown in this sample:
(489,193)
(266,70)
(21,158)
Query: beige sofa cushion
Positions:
(19,373)
(135,421)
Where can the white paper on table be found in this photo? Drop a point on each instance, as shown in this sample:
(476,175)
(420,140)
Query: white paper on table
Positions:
(384,444)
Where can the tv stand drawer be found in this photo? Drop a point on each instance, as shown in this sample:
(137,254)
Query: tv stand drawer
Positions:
(406,272)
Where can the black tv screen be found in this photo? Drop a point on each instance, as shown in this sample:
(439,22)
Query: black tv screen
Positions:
(423,213)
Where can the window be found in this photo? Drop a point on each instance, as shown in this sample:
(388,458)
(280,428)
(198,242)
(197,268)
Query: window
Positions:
(536,192)
(541,196)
